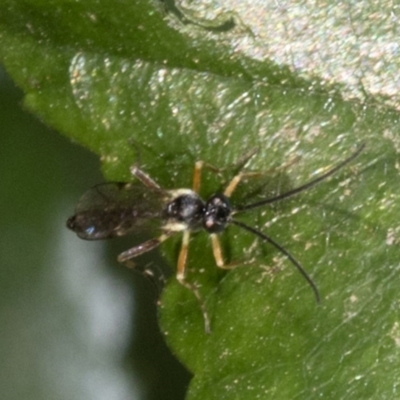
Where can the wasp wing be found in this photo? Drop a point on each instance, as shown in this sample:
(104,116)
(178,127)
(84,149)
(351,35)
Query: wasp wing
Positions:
(116,209)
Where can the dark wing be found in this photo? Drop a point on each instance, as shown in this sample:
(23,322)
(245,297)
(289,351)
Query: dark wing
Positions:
(116,209)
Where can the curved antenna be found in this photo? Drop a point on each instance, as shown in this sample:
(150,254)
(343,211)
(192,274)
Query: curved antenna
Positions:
(283,251)
(303,187)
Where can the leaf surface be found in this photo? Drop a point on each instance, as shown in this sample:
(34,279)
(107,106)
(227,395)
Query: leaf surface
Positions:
(170,80)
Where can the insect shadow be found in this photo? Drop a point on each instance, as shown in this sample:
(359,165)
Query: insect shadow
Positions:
(115,209)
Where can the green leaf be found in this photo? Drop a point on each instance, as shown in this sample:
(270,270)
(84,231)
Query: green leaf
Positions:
(169,79)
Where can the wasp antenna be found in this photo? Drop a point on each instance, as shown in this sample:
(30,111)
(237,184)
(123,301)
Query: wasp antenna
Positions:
(283,251)
(305,186)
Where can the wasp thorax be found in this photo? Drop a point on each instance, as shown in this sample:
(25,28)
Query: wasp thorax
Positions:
(187,209)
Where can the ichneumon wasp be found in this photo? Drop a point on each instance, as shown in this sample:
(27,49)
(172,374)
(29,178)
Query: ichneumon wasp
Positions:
(116,209)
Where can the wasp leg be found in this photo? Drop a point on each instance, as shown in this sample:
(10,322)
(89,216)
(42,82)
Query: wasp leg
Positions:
(237,178)
(200,164)
(180,276)
(233,184)
(251,174)
(181,267)
(217,250)
(143,247)
(219,259)
(239,166)
(145,179)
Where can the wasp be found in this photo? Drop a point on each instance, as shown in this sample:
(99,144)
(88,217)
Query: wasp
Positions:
(116,208)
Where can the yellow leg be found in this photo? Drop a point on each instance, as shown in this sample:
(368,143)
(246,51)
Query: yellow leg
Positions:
(219,258)
(181,267)
(180,276)
(237,178)
(198,166)
(217,250)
